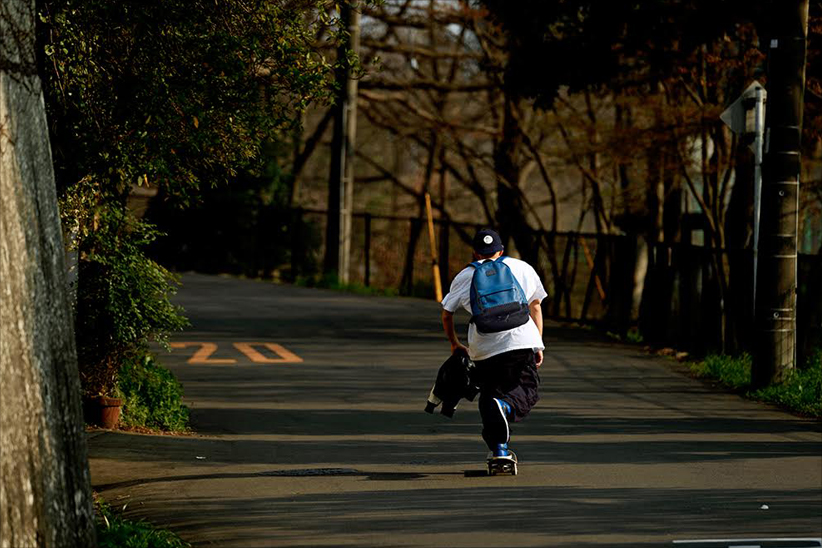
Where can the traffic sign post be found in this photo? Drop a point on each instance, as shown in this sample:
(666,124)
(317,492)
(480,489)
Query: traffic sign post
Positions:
(746,117)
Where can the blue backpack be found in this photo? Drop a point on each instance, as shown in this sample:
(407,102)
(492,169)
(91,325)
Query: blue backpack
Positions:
(498,302)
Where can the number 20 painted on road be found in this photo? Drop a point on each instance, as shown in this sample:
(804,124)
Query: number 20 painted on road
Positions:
(204,353)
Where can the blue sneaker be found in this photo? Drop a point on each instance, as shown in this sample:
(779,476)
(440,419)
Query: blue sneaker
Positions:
(505,406)
(502,450)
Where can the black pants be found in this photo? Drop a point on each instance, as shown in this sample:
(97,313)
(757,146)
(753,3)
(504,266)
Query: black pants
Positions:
(512,377)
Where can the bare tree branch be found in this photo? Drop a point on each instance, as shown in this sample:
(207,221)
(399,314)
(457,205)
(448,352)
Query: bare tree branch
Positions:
(418,51)
(425,84)
(429,117)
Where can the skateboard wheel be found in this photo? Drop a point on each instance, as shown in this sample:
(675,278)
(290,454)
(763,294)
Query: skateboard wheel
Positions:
(497,468)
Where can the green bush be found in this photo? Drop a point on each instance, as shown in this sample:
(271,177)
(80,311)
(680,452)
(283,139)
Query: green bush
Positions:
(800,391)
(734,372)
(115,532)
(152,396)
(634,336)
(122,295)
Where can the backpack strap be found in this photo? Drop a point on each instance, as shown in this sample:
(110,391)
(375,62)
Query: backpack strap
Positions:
(476,265)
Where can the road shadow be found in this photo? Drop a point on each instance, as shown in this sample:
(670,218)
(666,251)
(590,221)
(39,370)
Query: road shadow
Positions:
(519,514)
(399,438)
(287,473)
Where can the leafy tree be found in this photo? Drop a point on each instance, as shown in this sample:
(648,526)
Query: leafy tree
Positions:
(177,96)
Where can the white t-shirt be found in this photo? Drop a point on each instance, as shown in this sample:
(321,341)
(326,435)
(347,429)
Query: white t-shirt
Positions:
(482,346)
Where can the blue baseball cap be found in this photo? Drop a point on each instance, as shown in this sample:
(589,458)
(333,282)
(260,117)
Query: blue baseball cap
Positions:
(486,242)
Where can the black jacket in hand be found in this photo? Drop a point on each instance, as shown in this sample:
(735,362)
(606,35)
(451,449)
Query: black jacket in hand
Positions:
(454,382)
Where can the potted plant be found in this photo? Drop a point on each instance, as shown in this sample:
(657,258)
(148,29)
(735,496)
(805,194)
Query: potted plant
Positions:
(102,411)
(99,364)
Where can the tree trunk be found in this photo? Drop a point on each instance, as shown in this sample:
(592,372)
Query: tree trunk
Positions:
(45,493)
(511,218)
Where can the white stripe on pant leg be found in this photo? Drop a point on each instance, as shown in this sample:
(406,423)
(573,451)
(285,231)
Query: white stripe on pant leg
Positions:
(504,419)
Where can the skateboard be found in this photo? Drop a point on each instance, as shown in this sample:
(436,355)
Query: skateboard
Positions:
(502,465)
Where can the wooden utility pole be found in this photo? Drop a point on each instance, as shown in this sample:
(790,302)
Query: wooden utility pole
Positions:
(775,337)
(341,175)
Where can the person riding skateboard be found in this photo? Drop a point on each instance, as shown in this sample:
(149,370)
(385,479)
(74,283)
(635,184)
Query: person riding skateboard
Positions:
(506,358)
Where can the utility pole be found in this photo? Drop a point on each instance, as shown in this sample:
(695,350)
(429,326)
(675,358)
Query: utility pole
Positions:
(775,337)
(341,174)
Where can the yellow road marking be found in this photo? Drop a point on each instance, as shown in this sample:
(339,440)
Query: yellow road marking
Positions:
(203,355)
(286,356)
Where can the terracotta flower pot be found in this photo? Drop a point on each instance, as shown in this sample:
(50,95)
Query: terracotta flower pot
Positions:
(102,411)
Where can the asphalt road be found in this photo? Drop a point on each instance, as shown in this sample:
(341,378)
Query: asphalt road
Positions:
(320,439)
